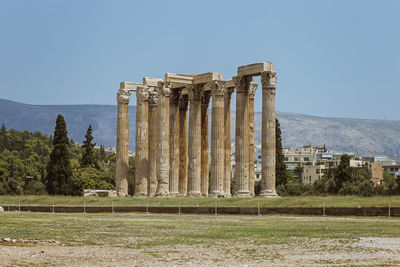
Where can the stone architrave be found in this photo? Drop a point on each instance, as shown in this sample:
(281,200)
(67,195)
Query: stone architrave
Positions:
(174,143)
(227,125)
(242,136)
(217,139)
(268,149)
(205,101)
(122,155)
(194,145)
(163,140)
(183,152)
(153,103)
(252,151)
(142,142)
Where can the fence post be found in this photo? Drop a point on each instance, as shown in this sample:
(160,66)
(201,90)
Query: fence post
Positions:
(84,207)
(179,209)
(216,207)
(323,209)
(147,209)
(258,208)
(389,209)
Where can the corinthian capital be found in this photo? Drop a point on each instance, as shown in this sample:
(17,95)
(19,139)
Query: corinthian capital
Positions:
(252,89)
(268,79)
(142,93)
(218,88)
(242,83)
(153,96)
(165,89)
(123,96)
(195,92)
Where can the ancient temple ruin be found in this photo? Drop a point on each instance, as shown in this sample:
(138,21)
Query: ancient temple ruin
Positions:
(172,154)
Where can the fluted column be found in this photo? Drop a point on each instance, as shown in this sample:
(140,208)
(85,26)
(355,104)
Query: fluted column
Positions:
(174,143)
(242,136)
(194,146)
(122,153)
(153,102)
(205,101)
(252,151)
(142,142)
(227,126)
(268,149)
(183,153)
(217,140)
(163,141)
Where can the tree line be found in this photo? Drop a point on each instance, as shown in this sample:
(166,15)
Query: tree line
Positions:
(33,163)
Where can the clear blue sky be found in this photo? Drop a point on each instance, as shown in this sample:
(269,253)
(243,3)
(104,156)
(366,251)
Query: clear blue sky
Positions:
(333,58)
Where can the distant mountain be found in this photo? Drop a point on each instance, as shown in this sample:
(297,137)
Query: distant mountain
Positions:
(363,137)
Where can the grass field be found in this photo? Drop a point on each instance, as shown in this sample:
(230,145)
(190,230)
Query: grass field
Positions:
(140,239)
(330,201)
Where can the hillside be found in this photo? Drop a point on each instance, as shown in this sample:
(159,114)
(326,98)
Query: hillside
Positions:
(364,137)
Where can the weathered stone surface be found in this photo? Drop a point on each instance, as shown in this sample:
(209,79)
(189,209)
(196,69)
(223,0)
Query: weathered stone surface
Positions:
(252,149)
(206,77)
(129,86)
(242,136)
(255,69)
(122,155)
(217,140)
(153,121)
(1,209)
(204,183)
(163,140)
(178,80)
(268,149)
(174,143)
(194,149)
(142,142)
(227,126)
(183,152)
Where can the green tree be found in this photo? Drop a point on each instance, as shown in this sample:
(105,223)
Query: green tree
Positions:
(3,138)
(280,167)
(343,172)
(88,155)
(59,173)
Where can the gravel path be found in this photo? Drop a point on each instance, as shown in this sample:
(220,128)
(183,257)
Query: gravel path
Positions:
(311,252)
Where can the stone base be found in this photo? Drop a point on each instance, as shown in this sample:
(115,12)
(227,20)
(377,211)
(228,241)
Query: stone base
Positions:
(269,194)
(194,194)
(162,194)
(217,194)
(243,193)
(174,194)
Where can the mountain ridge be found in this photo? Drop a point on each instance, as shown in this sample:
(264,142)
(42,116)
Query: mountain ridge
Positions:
(365,137)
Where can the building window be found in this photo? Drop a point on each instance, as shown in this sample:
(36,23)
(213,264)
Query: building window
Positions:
(286,159)
(296,159)
(306,159)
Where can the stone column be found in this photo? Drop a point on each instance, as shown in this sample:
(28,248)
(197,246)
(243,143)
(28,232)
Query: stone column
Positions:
(227,125)
(174,143)
(194,146)
(153,102)
(163,141)
(122,153)
(252,150)
(142,142)
(268,149)
(217,140)
(183,153)
(242,136)
(205,101)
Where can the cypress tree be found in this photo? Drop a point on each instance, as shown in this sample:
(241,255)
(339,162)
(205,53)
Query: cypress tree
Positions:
(59,173)
(280,167)
(88,155)
(3,138)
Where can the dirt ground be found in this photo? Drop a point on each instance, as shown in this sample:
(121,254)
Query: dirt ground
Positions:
(365,251)
(300,251)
